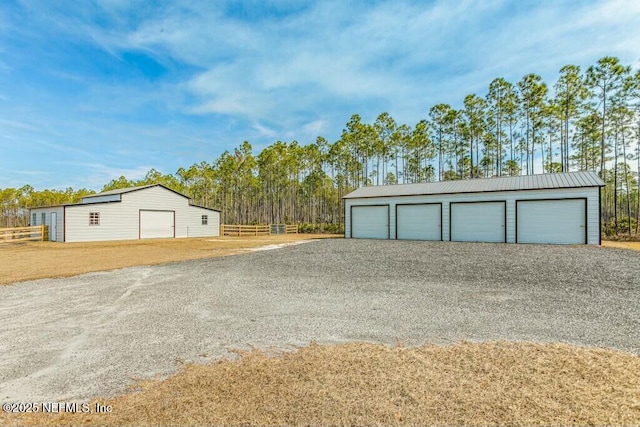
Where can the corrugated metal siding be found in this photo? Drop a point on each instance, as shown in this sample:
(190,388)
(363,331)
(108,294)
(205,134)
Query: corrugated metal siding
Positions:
(526,182)
(117,222)
(120,220)
(194,224)
(59,210)
(591,193)
(99,199)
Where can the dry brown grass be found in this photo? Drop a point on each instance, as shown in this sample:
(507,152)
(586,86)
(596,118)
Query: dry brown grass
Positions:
(619,244)
(496,383)
(29,261)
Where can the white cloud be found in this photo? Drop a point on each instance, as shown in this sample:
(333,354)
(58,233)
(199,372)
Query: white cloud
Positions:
(315,127)
(18,125)
(264,131)
(96,175)
(291,76)
(29,172)
(335,52)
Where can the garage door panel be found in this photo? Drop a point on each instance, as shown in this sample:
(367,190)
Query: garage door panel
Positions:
(156,224)
(370,222)
(551,221)
(419,222)
(478,222)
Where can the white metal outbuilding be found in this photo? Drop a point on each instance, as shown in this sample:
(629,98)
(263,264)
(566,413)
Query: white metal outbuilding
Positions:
(150,211)
(561,208)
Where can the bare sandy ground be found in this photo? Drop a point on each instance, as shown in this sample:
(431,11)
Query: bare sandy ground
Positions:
(39,260)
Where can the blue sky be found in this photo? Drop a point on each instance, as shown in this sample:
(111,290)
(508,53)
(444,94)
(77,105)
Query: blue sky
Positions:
(91,90)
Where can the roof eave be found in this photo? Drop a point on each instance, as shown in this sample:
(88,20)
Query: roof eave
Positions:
(204,207)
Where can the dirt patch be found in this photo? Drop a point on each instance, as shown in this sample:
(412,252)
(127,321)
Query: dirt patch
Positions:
(495,383)
(623,245)
(41,260)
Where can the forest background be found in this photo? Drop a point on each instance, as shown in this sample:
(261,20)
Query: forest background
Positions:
(586,120)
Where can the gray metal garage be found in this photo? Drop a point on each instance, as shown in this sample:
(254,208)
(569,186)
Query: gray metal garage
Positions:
(561,208)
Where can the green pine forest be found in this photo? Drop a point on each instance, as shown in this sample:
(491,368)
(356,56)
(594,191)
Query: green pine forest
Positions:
(588,119)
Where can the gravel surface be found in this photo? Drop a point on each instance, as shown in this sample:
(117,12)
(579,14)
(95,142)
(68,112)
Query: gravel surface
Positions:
(90,335)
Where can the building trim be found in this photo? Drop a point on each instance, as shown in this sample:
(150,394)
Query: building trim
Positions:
(131,190)
(344,207)
(64,223)
(71,205)
(600,216)
(204,207)
(469,192)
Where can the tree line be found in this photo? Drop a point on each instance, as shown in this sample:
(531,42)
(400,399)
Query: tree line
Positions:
(587,120)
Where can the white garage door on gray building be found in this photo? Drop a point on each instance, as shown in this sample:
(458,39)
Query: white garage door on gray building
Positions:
(478,222)
(558,208)
(551,221)
(370,222)
(420,221)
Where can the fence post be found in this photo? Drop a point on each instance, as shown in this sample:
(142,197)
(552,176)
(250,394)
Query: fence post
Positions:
(42,232)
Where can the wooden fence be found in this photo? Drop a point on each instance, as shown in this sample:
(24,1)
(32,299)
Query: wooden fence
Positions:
(255,230)
(244,230)
(291,229)
(24,234)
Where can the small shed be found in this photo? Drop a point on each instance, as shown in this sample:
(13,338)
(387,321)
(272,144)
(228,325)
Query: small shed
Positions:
(149,211)
(559,208)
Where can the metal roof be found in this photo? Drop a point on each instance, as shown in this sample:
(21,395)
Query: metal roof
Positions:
(511,183)
(122,190)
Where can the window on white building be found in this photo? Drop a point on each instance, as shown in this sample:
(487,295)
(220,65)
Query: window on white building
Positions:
(94,218)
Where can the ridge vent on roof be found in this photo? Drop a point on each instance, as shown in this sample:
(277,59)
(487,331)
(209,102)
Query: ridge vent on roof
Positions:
(482,185)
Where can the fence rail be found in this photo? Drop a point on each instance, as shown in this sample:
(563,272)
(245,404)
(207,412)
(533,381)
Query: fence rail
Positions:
(24,234)
(237,230)
(291,229)
(244,230)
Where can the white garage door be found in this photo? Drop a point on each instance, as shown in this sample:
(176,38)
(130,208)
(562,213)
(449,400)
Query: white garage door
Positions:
(370,222)
(478,222)
(154,224)
(418,222)
(551,221)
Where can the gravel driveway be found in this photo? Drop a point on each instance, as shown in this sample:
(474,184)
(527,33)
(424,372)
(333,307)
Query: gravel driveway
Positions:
(91,335)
